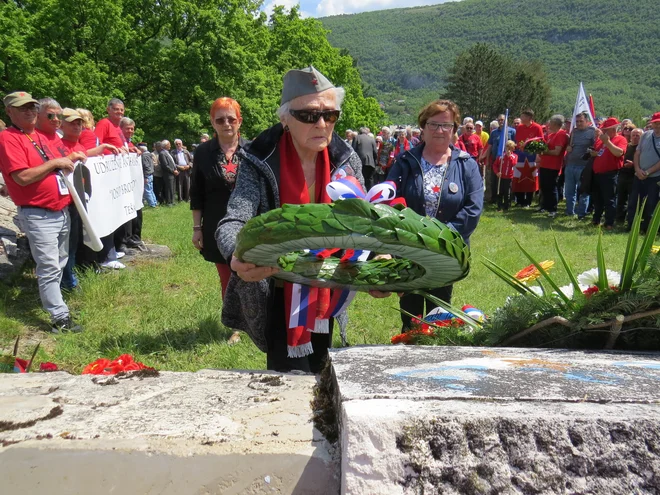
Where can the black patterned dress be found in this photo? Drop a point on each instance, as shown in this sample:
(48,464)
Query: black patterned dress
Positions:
(213,180)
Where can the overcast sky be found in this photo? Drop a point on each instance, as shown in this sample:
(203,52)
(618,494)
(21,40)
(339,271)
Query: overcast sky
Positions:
(323,8)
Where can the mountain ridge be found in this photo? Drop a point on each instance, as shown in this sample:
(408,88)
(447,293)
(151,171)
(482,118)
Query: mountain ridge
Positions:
(612,47)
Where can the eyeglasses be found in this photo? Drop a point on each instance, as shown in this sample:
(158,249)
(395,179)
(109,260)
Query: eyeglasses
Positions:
(445,126)
(53,116)
(28,108)
(628,128)
(313,116)
(469,128)
(228,120)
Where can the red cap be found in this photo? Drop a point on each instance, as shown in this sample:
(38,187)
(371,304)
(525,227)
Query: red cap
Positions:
(654,118)
(610,122)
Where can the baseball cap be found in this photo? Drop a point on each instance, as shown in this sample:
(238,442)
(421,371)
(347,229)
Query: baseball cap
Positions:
(18,99)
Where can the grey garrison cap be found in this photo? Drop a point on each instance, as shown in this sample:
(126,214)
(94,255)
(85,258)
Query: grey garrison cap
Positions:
(303,82)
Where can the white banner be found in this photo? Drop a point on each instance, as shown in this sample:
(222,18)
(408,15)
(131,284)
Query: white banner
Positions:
(111,187)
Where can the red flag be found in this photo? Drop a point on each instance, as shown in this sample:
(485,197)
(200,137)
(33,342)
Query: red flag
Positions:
(591,106)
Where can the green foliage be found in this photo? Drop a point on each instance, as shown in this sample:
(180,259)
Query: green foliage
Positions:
(168,61)
(611,46)
(484,81)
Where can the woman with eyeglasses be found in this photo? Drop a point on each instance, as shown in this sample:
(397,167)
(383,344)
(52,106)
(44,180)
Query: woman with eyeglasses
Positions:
(215,165)
(439,180)
(291,162)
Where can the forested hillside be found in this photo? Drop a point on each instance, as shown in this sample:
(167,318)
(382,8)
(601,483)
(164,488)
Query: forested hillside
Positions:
(612,46)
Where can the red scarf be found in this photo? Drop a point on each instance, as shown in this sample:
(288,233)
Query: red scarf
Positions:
(294,190)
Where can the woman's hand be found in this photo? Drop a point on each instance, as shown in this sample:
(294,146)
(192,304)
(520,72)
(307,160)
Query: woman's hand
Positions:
(198,240)
(250,272)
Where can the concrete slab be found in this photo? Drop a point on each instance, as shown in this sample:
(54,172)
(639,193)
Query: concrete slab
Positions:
(480,421)
(206,432)
(473,373)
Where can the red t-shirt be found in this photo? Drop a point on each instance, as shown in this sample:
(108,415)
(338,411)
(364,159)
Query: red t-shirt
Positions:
(606,161)
(18,153)
(109,133)
(473,144)
(523,132)
(88,139)
(72,146)
(554,162)
(507,168)
(459,144)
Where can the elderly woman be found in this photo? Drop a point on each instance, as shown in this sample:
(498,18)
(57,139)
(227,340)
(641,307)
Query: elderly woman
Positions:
(551,163)
(441,181)
(215,166)
(291,162)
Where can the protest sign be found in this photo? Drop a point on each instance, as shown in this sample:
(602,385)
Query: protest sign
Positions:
(109,189)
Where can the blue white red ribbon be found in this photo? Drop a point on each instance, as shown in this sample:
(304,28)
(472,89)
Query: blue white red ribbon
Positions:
(303,298)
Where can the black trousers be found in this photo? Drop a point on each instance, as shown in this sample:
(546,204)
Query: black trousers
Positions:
(368,173)
(524,198)
(504,195)
(133,230)
(158,188)
(624,187)
(414,304)
(169,183)
(604,197)
(548,186)
(277,356)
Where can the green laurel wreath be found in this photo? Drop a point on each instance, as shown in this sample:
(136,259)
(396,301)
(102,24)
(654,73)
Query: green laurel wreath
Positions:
(428,254)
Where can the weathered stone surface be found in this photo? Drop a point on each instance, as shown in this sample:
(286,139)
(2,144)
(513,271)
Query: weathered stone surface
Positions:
(472,421)
(14,249)
(207,432)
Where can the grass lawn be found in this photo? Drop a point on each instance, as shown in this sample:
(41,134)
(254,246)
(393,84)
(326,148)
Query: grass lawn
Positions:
(167,314)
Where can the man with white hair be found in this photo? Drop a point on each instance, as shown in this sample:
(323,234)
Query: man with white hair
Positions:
(169,170)
(183,162)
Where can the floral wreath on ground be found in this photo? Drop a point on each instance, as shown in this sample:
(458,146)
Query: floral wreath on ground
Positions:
(599,308)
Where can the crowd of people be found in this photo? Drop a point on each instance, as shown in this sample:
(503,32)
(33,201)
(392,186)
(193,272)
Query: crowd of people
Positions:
(595,167)
(44,141)
(446,168)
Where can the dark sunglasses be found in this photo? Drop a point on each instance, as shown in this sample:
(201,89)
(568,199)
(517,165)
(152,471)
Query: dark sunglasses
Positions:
(228,120)
(313,116)
(628,128)
(53,116)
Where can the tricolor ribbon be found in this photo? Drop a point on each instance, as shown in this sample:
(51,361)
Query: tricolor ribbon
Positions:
(303,298)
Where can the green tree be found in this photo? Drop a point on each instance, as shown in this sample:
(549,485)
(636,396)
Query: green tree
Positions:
(483,83)
(169,60)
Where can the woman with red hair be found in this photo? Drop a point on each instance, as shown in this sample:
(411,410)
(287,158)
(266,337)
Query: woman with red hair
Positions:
(215,166)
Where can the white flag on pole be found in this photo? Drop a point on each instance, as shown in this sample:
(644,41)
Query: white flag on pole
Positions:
(581,105)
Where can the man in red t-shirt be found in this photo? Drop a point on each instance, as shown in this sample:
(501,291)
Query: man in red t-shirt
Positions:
(525,179)
(107,129)
(30,165)
(551,164)
(471,141)
(609,152)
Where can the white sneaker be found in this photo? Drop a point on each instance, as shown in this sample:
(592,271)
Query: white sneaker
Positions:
(113,265)
(120,254)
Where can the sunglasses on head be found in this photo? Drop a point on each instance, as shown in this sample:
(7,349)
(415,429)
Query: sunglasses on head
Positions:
(313,116)
(53,116)
(228,120)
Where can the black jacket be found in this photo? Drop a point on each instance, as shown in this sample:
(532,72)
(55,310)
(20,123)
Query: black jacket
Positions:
(247,305)
(209,192)
(366,148)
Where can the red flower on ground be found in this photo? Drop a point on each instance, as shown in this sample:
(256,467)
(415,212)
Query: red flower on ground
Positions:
(103,366)
(590,291)
(48,367)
